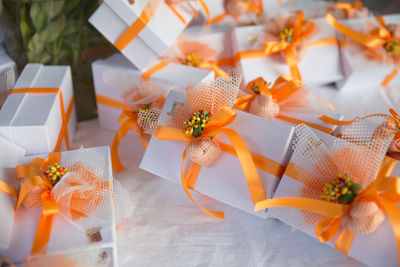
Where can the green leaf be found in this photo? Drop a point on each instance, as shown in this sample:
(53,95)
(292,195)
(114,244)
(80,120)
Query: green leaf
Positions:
(53,30)
(35,48)
(52,8)
(38,17)
(356,187)
(25,29)
(346,198)
(70,4)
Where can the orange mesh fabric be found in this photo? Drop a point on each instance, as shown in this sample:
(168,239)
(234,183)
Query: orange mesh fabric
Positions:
(318,163)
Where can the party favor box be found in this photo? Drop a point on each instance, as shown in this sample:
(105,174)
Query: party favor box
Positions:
(115,77)
(8,75)
(68,245)
(374,249)
(360,69)
(318,63)
(10,156)
(144,30)
(39,114)
(224,180)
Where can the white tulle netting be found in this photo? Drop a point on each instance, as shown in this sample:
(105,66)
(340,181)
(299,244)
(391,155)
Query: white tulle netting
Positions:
(210,96)
(357,154)
(87,196)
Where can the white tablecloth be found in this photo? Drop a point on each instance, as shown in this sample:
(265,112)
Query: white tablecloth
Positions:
(169,230)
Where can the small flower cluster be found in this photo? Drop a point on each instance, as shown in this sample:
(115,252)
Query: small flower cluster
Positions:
(196,124)
(55,172)
(286,35)
(341,190)
(393,48)
(192,60)
(255,86)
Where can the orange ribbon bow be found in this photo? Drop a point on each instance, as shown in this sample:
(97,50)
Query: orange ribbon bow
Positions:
(379,37)
(282,88)
(215,127)
(297,33)
(37,190)
(384,191)
(65,114)
(128,120)
(236,8)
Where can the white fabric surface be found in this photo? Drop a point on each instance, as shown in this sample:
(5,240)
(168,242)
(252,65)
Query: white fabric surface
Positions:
(169,230)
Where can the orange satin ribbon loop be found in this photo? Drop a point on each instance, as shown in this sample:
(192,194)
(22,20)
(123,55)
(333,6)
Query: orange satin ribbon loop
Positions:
(137,26)
(35,177)
(8,189)
(128,121)
(348,7)
(215,127)
(372,41)
(283,87)
(327,227)
(65,114)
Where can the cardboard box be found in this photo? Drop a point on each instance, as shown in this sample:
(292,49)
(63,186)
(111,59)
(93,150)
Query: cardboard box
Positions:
(114,17)
(224,181)
(33,121)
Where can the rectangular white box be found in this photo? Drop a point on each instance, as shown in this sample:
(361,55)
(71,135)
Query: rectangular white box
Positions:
(66,241)
(33,121)
(359,71)
(8,75)
(372,249)
(114,17)
(10,156)
(320,64)
(116,75)
(224,181)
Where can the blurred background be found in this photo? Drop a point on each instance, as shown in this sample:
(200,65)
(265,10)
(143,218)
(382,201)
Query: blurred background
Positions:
(58,32)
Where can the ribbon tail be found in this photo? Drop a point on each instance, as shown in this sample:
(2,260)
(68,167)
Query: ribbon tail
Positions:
(310,124)
(248,166)
(291,60)
(142,139)
(43,233)
(205,8)
(218,18)
(121,133)
(344,241)
(185,185)
(390,77)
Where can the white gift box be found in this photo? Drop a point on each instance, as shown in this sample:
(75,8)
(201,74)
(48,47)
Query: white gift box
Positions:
(373,249)
(10,156)
(116,75)
(360,72)
(319,65)
(8,75)
(66,243)
(33,120)
(224,181)
(114,17)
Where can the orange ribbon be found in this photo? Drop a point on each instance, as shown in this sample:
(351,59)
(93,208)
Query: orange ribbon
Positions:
(128,120)
(377,38)
(34,175)
(282,88)
(181,18)
(256,8)
(348,7)
(8,189)
(289,49)
(249,161)
(384,191)
(65,114)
